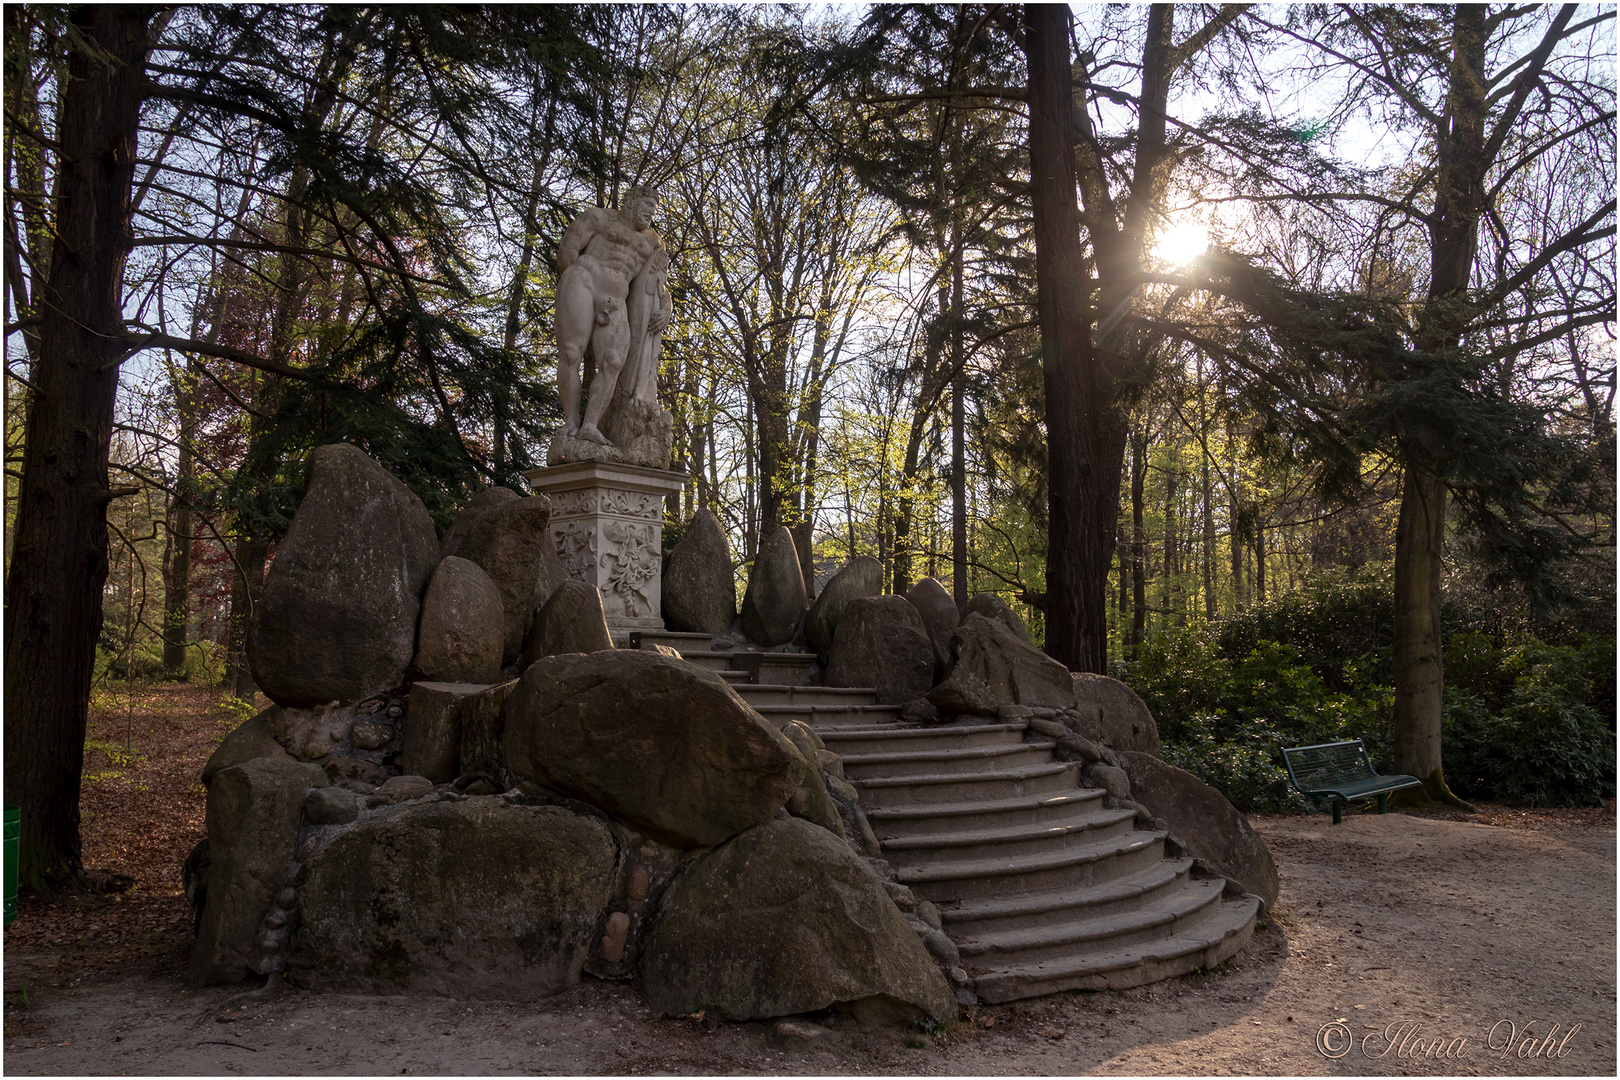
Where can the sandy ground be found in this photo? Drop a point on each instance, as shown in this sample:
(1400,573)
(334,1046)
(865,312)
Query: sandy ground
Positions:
(1400,945)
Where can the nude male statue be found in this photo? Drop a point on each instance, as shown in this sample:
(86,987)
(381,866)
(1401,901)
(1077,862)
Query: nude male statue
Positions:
(602,252)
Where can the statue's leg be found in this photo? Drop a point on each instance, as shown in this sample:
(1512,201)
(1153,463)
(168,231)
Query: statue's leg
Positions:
(576,318)
(610,344)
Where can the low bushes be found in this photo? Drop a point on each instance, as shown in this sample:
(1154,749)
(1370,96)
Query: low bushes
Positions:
(1526,721)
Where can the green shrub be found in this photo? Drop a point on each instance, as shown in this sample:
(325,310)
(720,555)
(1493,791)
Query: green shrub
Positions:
(1246,768)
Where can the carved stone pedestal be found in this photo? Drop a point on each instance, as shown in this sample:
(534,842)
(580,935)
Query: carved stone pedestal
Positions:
(607,522)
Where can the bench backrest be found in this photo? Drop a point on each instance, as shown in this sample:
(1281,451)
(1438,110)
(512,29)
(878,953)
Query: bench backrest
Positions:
(1327,764)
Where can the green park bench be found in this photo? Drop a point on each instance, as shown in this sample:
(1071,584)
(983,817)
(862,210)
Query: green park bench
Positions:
(1341,773)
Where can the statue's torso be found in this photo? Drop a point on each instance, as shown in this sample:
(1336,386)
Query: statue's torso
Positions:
(618,249)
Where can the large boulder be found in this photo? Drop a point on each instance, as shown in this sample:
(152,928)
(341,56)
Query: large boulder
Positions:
(881,642)
(700,588)
(476,507)
(460,636)
(1108,711)
(1210,828)
(939,616)
(509,539)
(781,920)
(776,600)
(251,739)
(994,607)
(861,576)
(571,620)
(995,667)
(253,814)
(337,620)
(660,743)
(468,899)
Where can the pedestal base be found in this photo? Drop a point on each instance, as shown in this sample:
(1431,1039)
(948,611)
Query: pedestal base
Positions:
(607,523)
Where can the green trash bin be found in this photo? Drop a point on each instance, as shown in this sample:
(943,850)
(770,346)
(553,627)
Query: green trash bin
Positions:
(13,816)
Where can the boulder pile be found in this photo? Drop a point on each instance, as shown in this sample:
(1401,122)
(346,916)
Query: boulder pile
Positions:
(464,789)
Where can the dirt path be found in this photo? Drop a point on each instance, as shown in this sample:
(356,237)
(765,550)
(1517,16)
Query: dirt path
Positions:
(1491,928)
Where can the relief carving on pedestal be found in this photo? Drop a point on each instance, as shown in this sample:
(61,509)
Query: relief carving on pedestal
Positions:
(576,546)
(631,560)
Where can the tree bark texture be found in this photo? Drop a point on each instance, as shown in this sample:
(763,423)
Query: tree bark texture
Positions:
(1085,433)
(1420,536)
(59,561)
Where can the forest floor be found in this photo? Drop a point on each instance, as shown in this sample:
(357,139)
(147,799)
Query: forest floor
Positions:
(1410,944)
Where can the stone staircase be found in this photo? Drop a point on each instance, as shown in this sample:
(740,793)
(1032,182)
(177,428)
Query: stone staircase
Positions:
(1041,886)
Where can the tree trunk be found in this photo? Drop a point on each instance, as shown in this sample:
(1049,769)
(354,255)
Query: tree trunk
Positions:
(177,580)
(1139,440)
(1085,433)
(59,561)
(959,530)
(1419,549)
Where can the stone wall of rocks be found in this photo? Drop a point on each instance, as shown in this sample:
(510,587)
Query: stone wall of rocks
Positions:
(464,789)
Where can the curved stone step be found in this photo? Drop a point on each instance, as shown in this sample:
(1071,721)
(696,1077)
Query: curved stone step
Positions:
(757,694)
(831,716)
(936,760)
(1172,913)
(994,784)
(1018,911)
(1106,859)
(1008,840)
(931,818)
(902,737)
(1222,935)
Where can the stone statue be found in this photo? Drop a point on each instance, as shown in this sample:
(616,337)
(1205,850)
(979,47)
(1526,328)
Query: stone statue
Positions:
(612,296)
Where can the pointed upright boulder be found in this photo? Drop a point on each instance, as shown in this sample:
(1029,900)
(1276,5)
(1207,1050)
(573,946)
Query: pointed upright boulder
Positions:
(939,616)
(776,600)
(699,588)
(337,619)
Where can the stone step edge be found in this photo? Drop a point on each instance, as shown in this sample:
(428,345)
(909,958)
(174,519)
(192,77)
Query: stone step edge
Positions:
(1011,834)
(983,806)
(1033,772)
(1184,903)
(851,691)
(1171,957)
(948,753)
(919,731)
(960,870)
(1019,905)
(812,708)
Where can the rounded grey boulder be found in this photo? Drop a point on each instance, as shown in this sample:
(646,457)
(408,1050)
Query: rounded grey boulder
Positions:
(1209,827)
(337,620)
(995,668)
(1109,712)
(785,919)
(992,606)
(459,639)
(861,576)
(776,600)
(468,899)
(571,621)
(881,642)
(699,586)
(664,745)
(509,538)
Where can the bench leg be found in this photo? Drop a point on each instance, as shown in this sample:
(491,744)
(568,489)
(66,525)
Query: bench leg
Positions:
(1338,812)
(1383,802)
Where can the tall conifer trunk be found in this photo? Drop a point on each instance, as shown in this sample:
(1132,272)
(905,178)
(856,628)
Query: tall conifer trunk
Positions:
(59,561)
